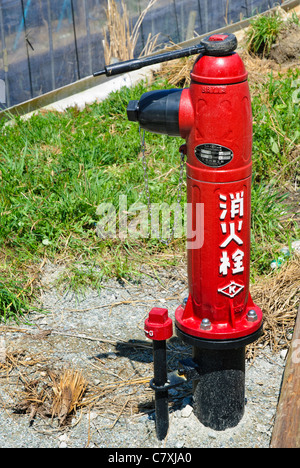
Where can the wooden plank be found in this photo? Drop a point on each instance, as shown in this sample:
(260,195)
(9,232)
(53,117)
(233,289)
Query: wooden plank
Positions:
(286,432)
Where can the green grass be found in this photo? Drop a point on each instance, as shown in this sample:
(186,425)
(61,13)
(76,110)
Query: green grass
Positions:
(13,299)
(276,127)
(56,168)
(268,230)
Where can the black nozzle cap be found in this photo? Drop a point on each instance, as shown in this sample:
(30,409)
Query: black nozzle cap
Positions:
(157,111)
(133,111)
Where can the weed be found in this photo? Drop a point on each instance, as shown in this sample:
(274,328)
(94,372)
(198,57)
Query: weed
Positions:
(262,33)
(294,19)
(268,230)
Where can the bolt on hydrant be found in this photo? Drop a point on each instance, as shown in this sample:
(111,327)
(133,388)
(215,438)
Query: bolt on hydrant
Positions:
(219,318)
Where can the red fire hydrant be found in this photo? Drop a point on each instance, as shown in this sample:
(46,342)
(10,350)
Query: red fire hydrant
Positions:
(219,317)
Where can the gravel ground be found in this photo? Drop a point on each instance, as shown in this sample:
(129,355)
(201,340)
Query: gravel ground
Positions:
(101,335)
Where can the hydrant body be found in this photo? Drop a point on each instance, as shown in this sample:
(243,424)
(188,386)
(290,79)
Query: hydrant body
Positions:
(215,119)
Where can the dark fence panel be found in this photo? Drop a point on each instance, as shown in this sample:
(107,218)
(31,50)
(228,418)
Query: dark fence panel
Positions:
(46,44)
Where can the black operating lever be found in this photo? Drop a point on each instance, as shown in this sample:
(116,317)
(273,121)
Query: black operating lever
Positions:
(215,44)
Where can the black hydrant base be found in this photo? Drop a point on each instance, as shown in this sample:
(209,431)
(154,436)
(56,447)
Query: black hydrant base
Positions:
(219,390)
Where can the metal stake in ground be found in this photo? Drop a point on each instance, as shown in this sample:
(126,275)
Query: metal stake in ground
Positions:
(159,327)
(161,396)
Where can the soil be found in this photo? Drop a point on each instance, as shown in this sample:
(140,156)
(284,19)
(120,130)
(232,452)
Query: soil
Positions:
(287,47)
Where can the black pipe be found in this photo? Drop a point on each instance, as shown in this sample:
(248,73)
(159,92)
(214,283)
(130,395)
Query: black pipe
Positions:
(161,396)
(136,64)
(219,387)
(219,391)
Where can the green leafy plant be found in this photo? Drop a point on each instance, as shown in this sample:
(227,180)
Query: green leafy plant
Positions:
(262,33)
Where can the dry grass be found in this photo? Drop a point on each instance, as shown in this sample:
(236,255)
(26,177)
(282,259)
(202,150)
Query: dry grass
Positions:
(58,395)
(278,295)
(177,72)
(15,359)
(68,391)
(122,396)
(120,38)
(55,395)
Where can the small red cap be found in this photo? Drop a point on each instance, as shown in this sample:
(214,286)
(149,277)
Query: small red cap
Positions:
(218,37)
(158,326)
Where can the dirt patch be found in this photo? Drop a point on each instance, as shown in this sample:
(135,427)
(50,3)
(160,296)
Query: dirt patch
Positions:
(287,47)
